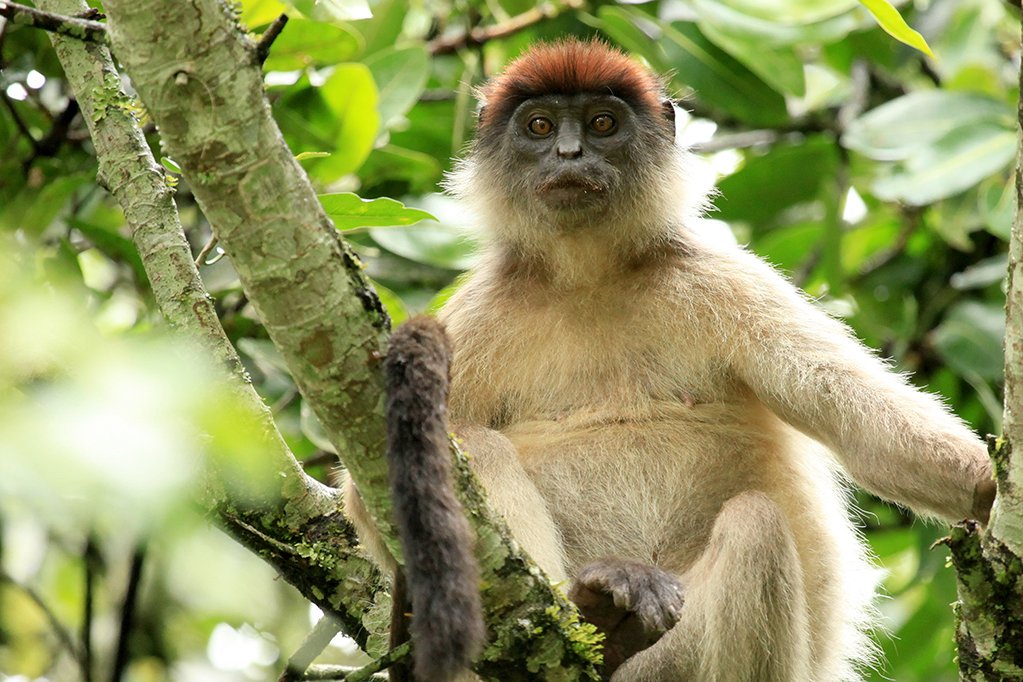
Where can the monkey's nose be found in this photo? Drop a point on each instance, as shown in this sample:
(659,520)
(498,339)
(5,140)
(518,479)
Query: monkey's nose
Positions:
(570,149)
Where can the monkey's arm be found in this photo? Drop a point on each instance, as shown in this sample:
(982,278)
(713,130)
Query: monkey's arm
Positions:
(893,439)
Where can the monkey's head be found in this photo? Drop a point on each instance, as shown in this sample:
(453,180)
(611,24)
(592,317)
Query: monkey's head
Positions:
(572,135)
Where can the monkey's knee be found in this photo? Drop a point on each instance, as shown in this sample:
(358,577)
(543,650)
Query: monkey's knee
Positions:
(754,597)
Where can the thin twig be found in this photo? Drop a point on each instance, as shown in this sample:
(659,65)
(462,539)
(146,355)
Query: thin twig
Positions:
(519,22)
(91,559)
(312,646)
(19,123)
(364,674)
(81,29)
(747,138)
(50,145)
(268,38)
(63,634)
(121,656)
(210,245)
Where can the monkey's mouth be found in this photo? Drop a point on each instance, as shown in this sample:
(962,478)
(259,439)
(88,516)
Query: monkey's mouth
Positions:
(569,190)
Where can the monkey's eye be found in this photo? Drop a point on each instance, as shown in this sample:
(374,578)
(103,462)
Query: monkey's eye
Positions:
(541,126)
(603,124)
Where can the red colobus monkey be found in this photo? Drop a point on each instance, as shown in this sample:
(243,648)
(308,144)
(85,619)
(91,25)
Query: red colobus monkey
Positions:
(663,420)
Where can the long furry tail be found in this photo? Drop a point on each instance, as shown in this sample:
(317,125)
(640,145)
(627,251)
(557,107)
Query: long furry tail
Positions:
(441,571)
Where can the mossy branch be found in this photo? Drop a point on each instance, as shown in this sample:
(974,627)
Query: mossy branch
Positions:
(71,27)
(302,534)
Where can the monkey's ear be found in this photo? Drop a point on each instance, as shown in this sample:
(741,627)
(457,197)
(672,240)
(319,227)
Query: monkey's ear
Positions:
(668,111)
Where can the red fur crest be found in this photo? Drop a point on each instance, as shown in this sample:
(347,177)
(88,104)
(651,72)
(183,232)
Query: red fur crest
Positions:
(570,67)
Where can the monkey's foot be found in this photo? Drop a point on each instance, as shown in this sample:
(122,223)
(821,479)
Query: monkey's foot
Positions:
(631,602)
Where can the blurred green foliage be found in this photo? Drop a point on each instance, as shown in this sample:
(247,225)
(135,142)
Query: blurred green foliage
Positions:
(878,178)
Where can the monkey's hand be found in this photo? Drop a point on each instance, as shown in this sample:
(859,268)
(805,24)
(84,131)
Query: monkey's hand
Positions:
(631,602)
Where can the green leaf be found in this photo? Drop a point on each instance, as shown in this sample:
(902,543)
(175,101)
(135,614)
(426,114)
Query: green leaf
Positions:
(772,31)
(767,184)
(392,303)
(998,205)
(634,31)
(333,10)
(170,164)
(112,244)
(970,337)
(719,79)
(954,163)
(400,75)
(780,67)
(256,13)
(351,95)
(34,210)
(896,129)
(395,170)
(894,25)
(305,43)
(302,156)
(442,246)
(982,274)
(794,12)
(349,211)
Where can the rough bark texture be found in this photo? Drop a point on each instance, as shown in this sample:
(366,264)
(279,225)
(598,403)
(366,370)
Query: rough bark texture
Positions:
(989,563)
(199,78)
(303,535)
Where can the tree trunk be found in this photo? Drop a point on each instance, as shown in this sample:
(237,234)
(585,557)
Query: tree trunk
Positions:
(989,562)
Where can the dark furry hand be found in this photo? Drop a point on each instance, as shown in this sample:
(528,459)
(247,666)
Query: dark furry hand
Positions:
(631,602)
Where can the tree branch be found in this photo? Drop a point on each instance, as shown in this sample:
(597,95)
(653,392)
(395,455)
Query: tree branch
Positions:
(72,27)
(304,513)
(481,34)
(269,36)
(989,562)
(63,634)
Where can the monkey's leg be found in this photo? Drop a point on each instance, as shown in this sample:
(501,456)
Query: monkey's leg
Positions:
(745,616)
(510,492)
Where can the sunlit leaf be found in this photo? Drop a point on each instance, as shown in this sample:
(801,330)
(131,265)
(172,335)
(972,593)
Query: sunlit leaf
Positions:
(400,75)
(791,11)
(302,156)
(719,79)
(767,184)
(333,10)
(998,205)
(257,13)
(393,304)
(440,245)
(349,211)
(351,95)
(896,129)
(894,25)
(305,43)
(969,339)
(772,30)
(780,67)
(952,164)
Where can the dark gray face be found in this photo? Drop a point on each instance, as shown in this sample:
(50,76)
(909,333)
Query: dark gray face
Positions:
(577,152)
